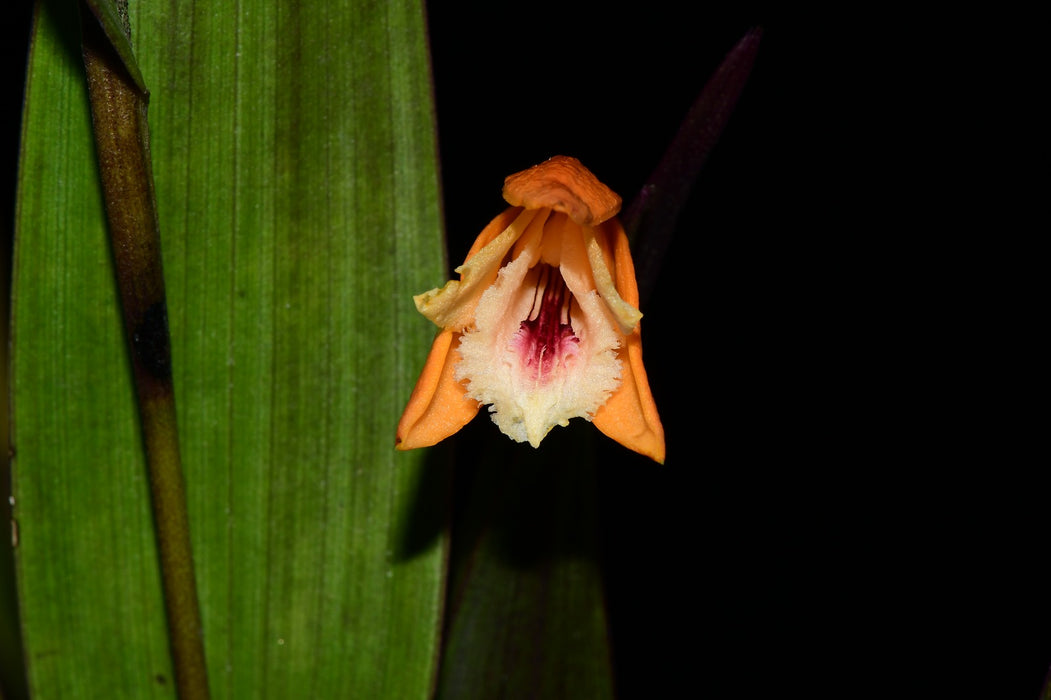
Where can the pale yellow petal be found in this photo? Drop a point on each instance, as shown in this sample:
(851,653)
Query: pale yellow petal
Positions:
(626,314)
(452,306)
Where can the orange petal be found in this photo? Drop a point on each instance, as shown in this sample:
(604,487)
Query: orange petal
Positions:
(439,405)
(630,415)
(563,184)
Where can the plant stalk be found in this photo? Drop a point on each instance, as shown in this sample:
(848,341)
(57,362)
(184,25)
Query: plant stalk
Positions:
(119,108)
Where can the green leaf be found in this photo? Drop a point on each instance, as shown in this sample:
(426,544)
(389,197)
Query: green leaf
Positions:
(295,166)
(113,22)
(527,615)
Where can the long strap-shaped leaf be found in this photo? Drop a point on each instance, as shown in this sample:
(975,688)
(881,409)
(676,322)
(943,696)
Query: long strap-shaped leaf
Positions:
(294,158)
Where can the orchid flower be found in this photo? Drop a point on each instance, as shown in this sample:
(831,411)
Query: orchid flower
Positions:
(543,324)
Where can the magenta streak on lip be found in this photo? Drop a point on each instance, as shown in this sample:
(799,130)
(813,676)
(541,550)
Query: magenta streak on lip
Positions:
(546,340)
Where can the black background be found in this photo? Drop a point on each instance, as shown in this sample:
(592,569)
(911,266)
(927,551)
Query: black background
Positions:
(841,511)
(703,554)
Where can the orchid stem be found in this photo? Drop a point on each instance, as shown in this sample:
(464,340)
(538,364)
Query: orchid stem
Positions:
(118,108)
(654,212)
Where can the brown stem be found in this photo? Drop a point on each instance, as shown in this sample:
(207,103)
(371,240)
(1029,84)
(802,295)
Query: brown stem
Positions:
(654,212)
(118,109)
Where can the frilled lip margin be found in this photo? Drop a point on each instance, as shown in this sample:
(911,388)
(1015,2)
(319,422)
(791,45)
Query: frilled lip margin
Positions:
(543,324)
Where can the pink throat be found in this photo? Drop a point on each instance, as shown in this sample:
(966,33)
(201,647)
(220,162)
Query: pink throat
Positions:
(545,340)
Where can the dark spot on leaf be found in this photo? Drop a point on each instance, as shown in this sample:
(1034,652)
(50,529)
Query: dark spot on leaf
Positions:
(150,341)
(161,680)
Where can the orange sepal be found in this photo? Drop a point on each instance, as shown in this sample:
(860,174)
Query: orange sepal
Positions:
(630,415)
(439,405)
(563,184)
